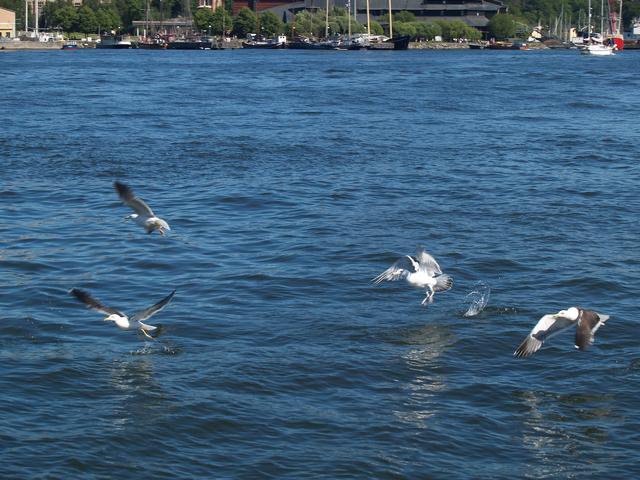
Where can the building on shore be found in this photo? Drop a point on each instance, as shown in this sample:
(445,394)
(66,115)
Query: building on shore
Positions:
(475,13)
(7,23)
(170,26)
(210,4)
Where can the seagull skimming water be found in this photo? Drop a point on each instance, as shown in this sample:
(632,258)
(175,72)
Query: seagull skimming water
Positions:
(144,216)
(422,271)
(120,319)
(587,323)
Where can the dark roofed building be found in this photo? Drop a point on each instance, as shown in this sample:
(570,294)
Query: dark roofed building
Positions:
(475,13)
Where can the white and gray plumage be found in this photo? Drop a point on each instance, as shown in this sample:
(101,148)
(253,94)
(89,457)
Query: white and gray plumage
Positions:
(587,323)
(122,320)
(144,216)
(422,271)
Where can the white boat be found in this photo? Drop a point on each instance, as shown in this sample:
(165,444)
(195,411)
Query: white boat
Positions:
(597,49)
(594,44)
(114,41)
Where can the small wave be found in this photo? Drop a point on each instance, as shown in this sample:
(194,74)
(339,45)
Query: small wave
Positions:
(587,106)
(477,299)
(161,348)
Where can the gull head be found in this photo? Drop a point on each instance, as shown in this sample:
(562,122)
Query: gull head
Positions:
(120,321)
(570,314)
(112,318)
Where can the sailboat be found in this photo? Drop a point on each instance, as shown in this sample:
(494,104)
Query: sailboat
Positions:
(395,43)
(595,44)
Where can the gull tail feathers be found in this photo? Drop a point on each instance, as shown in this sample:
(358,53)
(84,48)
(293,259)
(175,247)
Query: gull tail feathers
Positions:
(443,283)
(151,331)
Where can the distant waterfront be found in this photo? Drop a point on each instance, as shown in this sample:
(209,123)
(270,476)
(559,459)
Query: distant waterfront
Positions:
(290,179)
(237,44)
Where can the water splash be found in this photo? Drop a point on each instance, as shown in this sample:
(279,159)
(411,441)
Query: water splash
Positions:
(477,299)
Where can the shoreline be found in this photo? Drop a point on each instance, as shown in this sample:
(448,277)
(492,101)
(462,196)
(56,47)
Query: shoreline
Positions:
(20,46)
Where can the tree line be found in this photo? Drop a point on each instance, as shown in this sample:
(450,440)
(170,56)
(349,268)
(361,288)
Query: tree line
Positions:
(95,16)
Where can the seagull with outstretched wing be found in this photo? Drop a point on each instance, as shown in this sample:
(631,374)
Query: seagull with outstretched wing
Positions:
(120,319)
(587,322)
(422,271)
(144,216)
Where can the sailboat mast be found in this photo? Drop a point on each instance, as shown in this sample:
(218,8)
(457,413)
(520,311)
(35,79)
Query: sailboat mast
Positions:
(349,17)
(602,18)
(26,16)
(368,20)
(326,20)
(390,21)
(589,24)
(37,13)
(146,20)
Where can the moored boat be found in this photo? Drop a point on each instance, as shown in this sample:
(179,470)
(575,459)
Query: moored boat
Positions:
(257,41)
(70,45)
(156,42)
(190,44)
(114,41)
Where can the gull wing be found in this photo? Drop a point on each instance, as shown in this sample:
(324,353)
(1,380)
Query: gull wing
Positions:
(588,323)
(128,197)
(443,283)
(427,263)
(547,327)
(397,271)
(152,310)
(92,303)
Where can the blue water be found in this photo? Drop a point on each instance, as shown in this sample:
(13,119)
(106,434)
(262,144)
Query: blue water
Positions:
(290,179)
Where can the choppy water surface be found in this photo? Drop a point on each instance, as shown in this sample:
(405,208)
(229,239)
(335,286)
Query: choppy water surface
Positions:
(290,179)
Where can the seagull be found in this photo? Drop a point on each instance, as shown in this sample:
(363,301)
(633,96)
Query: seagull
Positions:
(144,216)
(120,319)
(422,271)
(587,322)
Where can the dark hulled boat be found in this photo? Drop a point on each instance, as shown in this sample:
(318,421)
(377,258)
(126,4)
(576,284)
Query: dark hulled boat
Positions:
(395,43)
(190,44)
(257,41)
(114,41)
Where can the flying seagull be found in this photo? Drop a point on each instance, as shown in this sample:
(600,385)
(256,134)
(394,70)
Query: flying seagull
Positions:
(144,216)
(422,271)
(587,322)
(122,320)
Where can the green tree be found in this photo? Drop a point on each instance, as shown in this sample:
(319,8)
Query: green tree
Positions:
(219,23)
(130,10)
(502,26)
(87,21)
(457,30)
(472,34)
(245,22)
(404,16)
(60,14)
(310,24)
(376,28)
(108,19)
(444,28)
(401,29)
(203,18)
(428,30)
(270,24)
